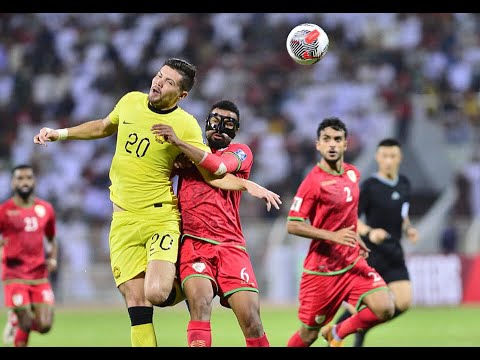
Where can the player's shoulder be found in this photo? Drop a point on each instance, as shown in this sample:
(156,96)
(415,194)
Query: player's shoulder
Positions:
(133,96)
(242,151)
(5,204)
(185,114)
(403,179)
(350,167)
(239,146)
(42,202)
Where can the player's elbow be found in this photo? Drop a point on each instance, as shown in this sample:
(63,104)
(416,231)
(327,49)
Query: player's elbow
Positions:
(293,227)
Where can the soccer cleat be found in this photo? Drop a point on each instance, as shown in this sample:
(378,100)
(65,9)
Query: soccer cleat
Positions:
(10,328)
(327,333)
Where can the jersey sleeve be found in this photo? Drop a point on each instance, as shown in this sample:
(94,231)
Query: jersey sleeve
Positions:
(114,115)
(304,201)
(238,157)
(406,203)
(50,227)
(2,219)
(364,198)
(192,135)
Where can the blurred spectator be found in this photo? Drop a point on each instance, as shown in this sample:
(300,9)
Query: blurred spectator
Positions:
(472,173)
(449,238)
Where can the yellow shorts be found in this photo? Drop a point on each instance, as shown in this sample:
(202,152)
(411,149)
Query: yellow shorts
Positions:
(137,239)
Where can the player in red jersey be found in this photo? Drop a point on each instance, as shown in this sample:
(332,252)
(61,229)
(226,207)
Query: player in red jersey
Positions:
(325,210)
(25,221)
(213,258)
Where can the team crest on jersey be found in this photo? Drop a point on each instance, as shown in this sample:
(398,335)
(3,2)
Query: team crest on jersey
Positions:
(40,210)
(116,272)
(17,299)
(160,139)
(319,319)
(352,176)
(241,154)
(395,195)
(199,267)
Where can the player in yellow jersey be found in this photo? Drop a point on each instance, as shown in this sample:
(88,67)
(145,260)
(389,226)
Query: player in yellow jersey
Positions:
(145,228)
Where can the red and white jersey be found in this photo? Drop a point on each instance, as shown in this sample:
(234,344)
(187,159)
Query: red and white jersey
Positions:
(330,202)
(210,213)
(23,231)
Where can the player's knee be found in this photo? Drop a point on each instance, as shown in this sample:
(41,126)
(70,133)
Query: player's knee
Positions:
(387,312)
(157,295)
(254,328)
(308,336)
(44,328)
(201,305)
(403,305)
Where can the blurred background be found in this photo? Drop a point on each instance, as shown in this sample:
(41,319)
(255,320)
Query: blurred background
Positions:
(413,76)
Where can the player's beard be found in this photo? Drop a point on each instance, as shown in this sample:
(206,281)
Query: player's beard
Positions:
(217,143)
(24,193)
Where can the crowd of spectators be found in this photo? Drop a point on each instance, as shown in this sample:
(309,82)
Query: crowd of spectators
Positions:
(58,70)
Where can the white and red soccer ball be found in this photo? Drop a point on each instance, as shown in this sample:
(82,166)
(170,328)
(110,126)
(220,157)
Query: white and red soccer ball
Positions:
(307,43)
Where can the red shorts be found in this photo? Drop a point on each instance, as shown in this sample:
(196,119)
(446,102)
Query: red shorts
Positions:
(228,267)
(20,295)
(320,296)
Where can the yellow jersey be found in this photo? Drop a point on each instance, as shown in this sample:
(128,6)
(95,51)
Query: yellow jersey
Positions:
(142,163)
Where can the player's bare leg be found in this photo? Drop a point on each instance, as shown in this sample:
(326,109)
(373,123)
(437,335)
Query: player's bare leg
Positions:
(199,295)
(380,308)
(246,306)
(402,292)
(25,319)
(140,311)
(43,319)
(10,327)
(159,281)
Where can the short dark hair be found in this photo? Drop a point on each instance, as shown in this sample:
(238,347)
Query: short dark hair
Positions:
(333,122)
(22,167)
(389,142)
(227,105)
(187,70)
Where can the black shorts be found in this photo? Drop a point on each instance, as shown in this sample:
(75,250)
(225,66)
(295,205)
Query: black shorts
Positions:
(396,273)
(390,269)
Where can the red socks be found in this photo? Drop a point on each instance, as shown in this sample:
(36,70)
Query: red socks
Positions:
(21,338)
(199,334)
(364,319)
(296,341)
(258,342)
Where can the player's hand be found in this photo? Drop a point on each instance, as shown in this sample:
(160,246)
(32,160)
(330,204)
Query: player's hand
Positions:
(182,161)
(412,235)
(52,265)
(260,192)
(165,131)
(364,250)
(378,235)
(346,236)
(45,135)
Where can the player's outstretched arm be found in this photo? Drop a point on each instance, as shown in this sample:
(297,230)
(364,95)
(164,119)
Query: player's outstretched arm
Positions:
(233,183)
(89,130)
(217,165)
(375,235)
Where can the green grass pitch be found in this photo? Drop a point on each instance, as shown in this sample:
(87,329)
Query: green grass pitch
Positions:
(101,327)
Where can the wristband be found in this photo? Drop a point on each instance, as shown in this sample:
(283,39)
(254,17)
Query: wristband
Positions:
(62,134)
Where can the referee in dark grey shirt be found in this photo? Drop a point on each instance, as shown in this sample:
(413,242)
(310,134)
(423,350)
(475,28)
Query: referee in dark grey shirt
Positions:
(384,205)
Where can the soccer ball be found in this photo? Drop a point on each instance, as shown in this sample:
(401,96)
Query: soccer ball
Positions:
(307,44)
